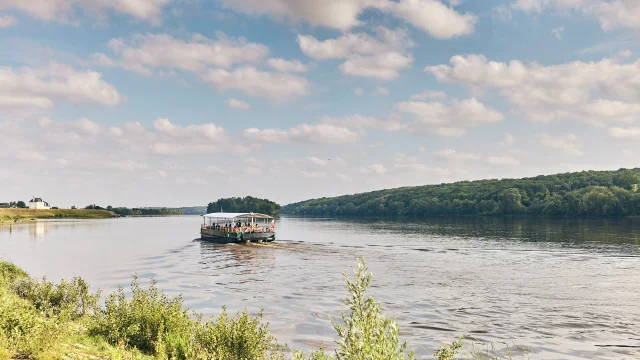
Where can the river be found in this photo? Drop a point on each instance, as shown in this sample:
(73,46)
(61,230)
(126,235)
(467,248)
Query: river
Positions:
(564,289)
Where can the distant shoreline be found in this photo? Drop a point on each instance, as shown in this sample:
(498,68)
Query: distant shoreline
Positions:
(14,215)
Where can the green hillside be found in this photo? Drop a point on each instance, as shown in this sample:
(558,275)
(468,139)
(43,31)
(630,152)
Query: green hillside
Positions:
(587,193)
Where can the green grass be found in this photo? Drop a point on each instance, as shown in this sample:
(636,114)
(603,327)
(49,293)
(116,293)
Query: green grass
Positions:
(44,320)
(11,215)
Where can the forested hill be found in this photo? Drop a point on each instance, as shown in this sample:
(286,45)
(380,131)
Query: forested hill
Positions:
(244,205)
(587,193)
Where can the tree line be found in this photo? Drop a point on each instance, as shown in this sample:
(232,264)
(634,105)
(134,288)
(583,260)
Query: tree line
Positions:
(123,211)
(586,193)
(245,204)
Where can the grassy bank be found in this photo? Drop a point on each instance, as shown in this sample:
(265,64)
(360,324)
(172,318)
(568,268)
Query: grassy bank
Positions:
(44,320)
(18,214)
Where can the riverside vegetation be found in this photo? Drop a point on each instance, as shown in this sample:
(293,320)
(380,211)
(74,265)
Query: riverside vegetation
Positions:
(587,193)
(44,320)
(15,214)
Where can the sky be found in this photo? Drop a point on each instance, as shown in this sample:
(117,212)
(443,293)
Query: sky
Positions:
(181,102)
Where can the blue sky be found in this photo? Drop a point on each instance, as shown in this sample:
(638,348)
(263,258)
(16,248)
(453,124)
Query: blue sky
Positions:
(179,102)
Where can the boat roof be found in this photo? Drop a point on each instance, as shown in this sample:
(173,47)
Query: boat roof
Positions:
(224,215)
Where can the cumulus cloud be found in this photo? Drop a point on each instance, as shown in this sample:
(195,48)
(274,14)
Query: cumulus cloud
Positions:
(632,133)
(208,131)
(144,52)
(238,104)
(381,90)
(358,91)
(304,133)
(382,56)
(452,119)
(40,87)
(434,17)
(287,65)
(378,169)
(429,94)
(567,143)
(64,10)
(7,21)
(270,85)
(431,16)
(364,122)
(546,93)
(557,32)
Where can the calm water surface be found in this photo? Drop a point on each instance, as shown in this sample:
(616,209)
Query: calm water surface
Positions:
(565,289)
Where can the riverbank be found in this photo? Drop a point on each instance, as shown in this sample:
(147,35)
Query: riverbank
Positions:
(12,215)
(44,320)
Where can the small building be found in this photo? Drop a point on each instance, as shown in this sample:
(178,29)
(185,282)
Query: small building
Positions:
(38,203)
(4,205)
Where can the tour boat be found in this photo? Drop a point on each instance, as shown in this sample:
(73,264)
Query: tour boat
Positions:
(228,228)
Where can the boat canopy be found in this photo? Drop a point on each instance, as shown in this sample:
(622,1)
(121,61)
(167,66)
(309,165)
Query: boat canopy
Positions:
(223,215)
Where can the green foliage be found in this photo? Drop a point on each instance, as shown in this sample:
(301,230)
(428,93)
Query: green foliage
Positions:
(21,204)
(144,321)
(65,299)
(246,204)
(449,352)
(587,193)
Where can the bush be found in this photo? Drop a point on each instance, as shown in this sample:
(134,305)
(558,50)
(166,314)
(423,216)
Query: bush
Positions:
(23,329)
(69,299)
(147,321)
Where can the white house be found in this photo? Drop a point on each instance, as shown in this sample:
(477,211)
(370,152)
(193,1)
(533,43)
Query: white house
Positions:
(38,203)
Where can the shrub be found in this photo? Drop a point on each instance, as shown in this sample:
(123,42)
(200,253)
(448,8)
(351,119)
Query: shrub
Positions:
(24,329)
(149,321)
(242,337)
(9,272)
(367,333)
(68,299)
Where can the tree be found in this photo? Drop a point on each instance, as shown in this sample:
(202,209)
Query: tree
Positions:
(510,201)
(21,204)
(627,179)
(110,208)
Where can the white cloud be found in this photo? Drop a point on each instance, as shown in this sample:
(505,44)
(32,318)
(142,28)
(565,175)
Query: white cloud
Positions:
(557,32)
(40,87)
(303,133)
(451,154)
(207,131)
(452,119)
(384,66)
(143,52)
(7,21)
(44,121)
(87,127)
(364,122)
(30,155)
(287,65)
(270,85)
(625,134)
(338,14)
(429,94)
(64,10)
(508,139)
(433,17)
(115,131)
(214,170)
(237,104)
(568,143)
(503,160)
(128,165)
(546,93)
(318,161)
(314,174)
(358,91)
(625,53)
(381,57)
(610,13)
(376,169)
(380,90)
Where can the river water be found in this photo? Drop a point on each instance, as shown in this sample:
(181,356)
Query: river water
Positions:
(563,289)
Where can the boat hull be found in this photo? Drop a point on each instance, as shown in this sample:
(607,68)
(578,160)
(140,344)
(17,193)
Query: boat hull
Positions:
(223,237)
